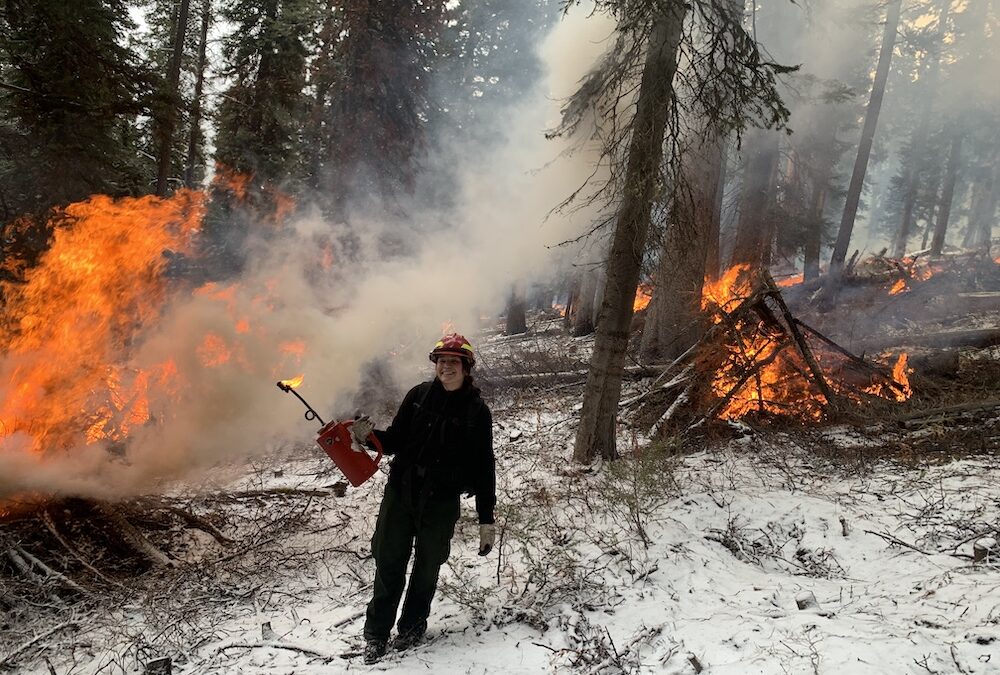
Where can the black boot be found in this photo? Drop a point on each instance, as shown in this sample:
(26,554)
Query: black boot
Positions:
(374,650)
(409,638)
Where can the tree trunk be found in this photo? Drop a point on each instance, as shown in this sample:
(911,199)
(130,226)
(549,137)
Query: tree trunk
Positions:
(596,432)
(516,320)
(168,123)
(865,147)
(814,237)
(984,209)
(713,259)
(947,194)
(583,315)
(759,170)
(195,135)
(674,320)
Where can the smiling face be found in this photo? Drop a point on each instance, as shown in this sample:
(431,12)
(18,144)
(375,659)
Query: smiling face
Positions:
(450,371)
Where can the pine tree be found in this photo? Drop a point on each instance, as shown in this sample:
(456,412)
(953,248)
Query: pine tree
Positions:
(370,117)
(261,114)
(71,93)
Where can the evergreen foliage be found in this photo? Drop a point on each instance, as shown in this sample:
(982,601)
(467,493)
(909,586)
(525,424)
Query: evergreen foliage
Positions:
(373,104)
(70,97)
(261,115)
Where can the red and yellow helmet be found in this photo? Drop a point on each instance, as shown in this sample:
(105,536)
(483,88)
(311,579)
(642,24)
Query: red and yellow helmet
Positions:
(455,345)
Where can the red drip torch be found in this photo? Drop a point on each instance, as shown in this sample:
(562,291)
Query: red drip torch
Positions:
(335,439)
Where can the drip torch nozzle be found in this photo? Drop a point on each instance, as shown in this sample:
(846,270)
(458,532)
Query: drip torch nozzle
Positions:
(310,413)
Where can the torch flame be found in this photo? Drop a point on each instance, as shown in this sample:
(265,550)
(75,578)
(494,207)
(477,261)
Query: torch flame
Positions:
(293,382)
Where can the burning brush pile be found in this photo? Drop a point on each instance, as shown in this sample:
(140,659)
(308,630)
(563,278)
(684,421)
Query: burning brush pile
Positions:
(757,359)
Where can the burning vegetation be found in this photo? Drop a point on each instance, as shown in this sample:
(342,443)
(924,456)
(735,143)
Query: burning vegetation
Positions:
(756,358)
(68,329)
(775,364)
(85,363)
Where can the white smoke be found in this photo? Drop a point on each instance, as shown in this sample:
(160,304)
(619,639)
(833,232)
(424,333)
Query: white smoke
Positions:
(367,309)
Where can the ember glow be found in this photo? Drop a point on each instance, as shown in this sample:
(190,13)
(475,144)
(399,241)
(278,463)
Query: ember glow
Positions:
(778,383)
(898,287)
(791,281)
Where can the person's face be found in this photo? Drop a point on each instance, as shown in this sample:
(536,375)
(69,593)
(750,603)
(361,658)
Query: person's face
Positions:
(449,370)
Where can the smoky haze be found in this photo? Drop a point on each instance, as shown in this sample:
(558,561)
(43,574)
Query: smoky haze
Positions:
(500,229)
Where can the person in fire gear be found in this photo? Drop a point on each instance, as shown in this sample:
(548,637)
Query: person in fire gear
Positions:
(442,442)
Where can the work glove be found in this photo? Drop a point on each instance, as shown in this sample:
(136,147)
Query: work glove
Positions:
(362,429)
(487,536)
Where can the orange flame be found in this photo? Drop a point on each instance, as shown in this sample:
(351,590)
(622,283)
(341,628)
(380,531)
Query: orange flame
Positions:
(70,331)
(779,385)
(643,294)
(728,291)
(272,204)
(293,382)
(559,308)
(901,376)
(66,330)
(898,287)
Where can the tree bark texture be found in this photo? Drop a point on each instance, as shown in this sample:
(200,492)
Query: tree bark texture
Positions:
(674,320)
(865,146)
(195,135)
(168,122)
(756,195)
(596,432)
(984,206)
(947,195)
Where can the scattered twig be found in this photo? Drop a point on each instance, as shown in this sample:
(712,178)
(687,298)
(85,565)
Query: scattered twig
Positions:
(898,542)
(274,644)
(46,519)
(12,656)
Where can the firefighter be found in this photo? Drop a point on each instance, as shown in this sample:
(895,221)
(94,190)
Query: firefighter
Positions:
(442,442)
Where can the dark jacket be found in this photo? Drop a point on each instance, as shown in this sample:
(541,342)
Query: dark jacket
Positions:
(442,443)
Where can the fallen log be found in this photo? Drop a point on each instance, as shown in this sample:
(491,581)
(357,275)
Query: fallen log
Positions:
(984,301)
(972,337)
(133,538)
(950,411)
(566,376)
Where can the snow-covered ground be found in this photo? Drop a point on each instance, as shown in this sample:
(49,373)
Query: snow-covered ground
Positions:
(665,562)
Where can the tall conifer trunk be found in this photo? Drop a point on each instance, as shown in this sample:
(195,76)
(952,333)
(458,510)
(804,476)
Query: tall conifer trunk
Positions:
(673,323)
(911,173)
(756,194)
(865,146)
(168,123)
(947,194)
(596,432)
(194,134)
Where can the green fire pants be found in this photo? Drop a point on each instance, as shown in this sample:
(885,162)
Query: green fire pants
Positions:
(404,525)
